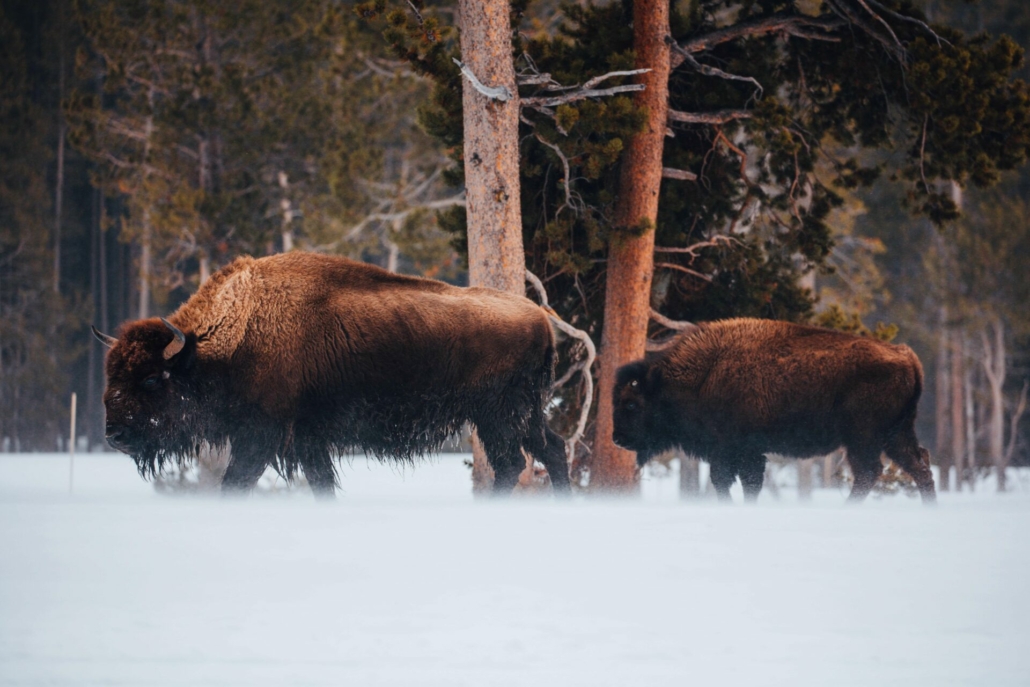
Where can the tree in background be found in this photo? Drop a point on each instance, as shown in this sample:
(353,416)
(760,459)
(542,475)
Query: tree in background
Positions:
(33,316)
(760,94)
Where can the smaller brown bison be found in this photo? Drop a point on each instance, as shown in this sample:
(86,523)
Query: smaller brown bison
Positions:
(294,358)
(730,392)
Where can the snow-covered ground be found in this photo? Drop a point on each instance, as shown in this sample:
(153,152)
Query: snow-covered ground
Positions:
(405,580)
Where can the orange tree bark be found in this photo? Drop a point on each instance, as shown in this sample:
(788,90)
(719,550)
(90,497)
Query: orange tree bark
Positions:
(491,156)
(631,251)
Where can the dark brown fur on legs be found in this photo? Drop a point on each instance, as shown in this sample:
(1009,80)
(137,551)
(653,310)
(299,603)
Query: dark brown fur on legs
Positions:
(723,476)
(241,476)
(865,468)
(297,357)
(734,390)
(752,476)
(908,455)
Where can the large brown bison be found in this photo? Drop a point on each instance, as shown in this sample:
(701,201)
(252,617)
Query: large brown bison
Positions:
(294,358)
(732,391)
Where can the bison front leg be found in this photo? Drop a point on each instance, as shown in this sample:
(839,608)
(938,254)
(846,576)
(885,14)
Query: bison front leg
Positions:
(723,475)
(242,474)
(252,452)
(752,476)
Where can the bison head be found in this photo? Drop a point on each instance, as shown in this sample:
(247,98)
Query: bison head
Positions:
(635,410)
(149,393)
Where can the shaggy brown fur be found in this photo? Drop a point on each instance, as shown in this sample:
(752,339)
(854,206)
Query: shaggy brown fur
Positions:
(732,391)
(295,357)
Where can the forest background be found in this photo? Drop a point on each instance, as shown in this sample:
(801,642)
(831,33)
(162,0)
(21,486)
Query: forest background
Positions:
(146,143)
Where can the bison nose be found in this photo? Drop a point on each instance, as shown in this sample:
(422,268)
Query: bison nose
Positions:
(114,434)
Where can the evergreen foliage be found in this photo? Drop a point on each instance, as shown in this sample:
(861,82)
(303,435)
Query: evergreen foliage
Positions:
(33,318)
(944,104)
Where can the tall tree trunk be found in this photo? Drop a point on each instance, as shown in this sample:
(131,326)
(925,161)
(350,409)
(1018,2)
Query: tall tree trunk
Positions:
(105,316)
(970,417)
(145,257)
(62,133)
(958,420)
(631,252)
(92,398)
(493,207)
(690,477)
(994,369)
(145,260)
(805,479)
(942,398)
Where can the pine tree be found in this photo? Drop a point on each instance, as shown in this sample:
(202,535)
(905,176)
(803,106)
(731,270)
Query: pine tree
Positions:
(33,317)
(760,94)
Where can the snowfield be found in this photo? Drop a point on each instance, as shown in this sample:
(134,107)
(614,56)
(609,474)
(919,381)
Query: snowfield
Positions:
(405,580)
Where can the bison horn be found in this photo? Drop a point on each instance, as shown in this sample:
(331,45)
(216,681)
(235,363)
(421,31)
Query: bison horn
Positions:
(177,344)
(103,338)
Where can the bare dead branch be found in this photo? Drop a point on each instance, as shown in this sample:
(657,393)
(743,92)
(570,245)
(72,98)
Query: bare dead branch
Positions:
(717,117)
(1014,426)
(714,71)
(842,10)
(912,20)
(537,102)
(583,366)
(534,79)
(791,24)
(567,178)
(657,345)
(398,216)
(672,324)
(686,270)
(693,249)
(494,93)
(680,174)
(883,22)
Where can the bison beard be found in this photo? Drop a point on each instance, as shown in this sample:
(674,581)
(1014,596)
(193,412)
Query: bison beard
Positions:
(732,391)
(295,358)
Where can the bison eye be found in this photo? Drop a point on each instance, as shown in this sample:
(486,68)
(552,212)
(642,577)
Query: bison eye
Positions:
(151,382)
(632,405)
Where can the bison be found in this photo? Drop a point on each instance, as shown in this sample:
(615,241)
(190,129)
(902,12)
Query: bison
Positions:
(293,358)
(732,391)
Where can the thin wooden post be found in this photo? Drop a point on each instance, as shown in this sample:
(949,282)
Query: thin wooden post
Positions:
(71,449)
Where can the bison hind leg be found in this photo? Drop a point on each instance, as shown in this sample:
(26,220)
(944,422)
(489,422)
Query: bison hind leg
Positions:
(907,454)
(546,446)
